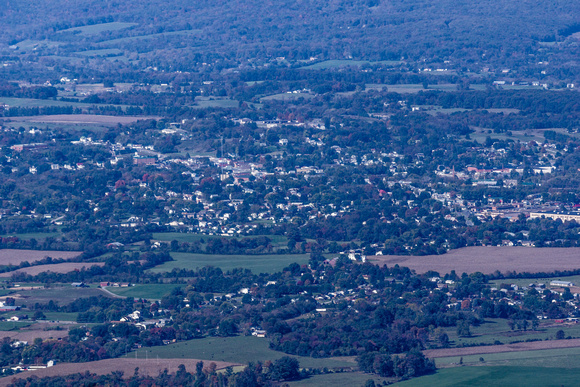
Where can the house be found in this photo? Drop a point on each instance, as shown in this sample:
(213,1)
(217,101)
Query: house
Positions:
(79,285)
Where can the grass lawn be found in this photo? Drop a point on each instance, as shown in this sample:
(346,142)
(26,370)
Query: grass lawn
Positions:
(497,376)
(148,291)
(238,349)
(257,263)
(354,379)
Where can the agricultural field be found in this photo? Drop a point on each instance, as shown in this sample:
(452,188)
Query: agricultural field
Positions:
(28,331)
(65,267)
(330,64)
(62,294)
(557,357)
(487,259)
(494,349)
(151,367)
(277,241)
(31,102)
(354,379)
(82,119)
(147,291)
(257,263)
(497,376)
(499,330)
(98,28)
(287,96)
(15,257)
(238,349)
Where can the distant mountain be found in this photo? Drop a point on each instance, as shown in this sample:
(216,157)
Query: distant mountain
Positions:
(180,32)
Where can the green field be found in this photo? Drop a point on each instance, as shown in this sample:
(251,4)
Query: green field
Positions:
(555,358)
(330,64)
(276,240)
(205,102)
(34,235)
(61,316)
(148,291)
(287,96)
(497,376)
(13,325)
(103,52)
(63,295)
(238,349)
(30,102)
(354,379)
(498,329)
(257,263)
(98,28)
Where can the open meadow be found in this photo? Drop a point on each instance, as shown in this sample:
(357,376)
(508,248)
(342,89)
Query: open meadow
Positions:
(257,263)
(237,349)
(487,259)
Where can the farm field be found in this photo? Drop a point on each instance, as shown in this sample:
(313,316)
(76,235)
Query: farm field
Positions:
(487,259)
(354,379)
(62,294)
(98,28)
(15,257)
(65,267)
(205,102)
(238,349)
(497,376)
(147,291)
(287,96)
(558,358)
(82,119)
(30,332)
(31,102)
(150,367)
(330,64)
(498,330)
(257,263)
(494,349)
(33,235)
(276,240)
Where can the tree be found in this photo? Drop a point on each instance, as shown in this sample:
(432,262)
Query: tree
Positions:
(463,328)
(286,368)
